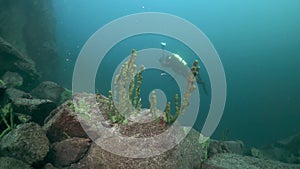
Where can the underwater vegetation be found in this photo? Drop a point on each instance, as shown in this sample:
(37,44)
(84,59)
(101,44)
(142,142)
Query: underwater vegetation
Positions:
(7,117)
(126,94)
(2,83)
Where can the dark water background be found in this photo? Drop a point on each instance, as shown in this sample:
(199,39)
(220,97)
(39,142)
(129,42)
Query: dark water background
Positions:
(258,42)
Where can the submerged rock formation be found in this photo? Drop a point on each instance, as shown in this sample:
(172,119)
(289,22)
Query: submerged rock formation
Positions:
(13,62)
(235,161)
(30,27)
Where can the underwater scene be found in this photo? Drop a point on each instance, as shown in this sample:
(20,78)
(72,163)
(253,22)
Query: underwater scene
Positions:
(155,84)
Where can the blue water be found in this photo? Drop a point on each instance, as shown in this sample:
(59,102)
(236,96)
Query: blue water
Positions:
(258,42)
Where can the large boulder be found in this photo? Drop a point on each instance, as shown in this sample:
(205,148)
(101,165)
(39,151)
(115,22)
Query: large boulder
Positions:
(185,155)
(67,121)
(27,142)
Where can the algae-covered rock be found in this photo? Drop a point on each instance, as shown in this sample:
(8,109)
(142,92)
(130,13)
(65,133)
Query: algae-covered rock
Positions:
(38,109)
(11,163)
(49,90)
(27,142)
(13,94)
(12,79)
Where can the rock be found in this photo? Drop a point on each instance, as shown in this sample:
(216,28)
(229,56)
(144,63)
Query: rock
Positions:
(14,61)
(12,79)
(62,124)
(49,166)
(235,147)
(236,161)
(27,142)
(291,143)
(286,150)
(38,109)
(13,93)
(11,163)
(254,152)
(49,90)
(217,147)
(182,156)
(68,151)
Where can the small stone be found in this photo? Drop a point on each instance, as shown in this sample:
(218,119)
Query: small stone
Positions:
(49,166)
(12,79)
(49,90)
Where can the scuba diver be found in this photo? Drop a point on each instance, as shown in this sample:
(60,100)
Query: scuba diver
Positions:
(179,66)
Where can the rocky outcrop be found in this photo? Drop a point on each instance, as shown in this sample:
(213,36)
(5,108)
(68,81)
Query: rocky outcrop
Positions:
(286,150)
(185,155)
(14,61)
(235,161)
(63,123)
(30,27)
